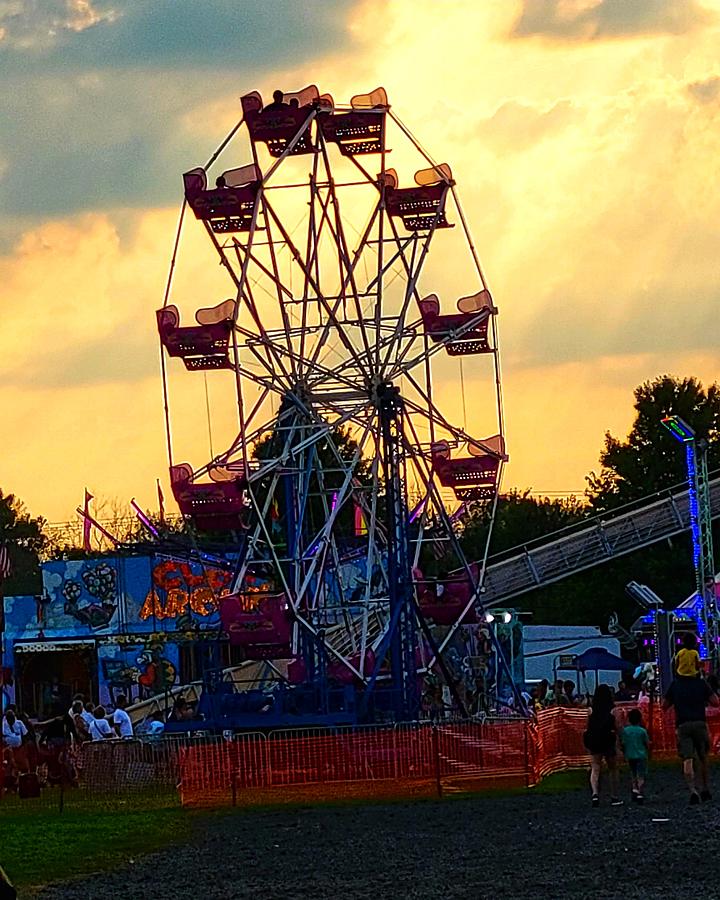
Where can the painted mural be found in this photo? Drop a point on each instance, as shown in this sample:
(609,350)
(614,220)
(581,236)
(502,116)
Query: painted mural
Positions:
(93,599)
(183,594)
(127,615)
(471,658)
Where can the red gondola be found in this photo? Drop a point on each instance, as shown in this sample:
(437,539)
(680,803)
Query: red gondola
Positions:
(444,601)
(464,332)
(201,346)
(230,205)
(213,506)
(423,207)
(284,122)
(359,130)
(472,477)
(264,632)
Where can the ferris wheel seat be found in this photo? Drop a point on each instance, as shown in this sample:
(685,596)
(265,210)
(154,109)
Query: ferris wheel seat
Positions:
(277,125)
(464,332)
(212,506)
(229,208)
(471,477)
(448,612)
(264,631)
(336,670)
(443,601)
(202,346)
(419,208)
(356,132)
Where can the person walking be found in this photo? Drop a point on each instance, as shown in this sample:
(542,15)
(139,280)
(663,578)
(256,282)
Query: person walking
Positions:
(690,697)
(635,743)
(14,735)
(600,739)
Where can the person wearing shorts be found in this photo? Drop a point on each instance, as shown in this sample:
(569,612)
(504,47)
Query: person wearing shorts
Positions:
(635,743)
(690,697)
(600,739)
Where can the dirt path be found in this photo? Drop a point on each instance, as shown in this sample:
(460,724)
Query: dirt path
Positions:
(526,847)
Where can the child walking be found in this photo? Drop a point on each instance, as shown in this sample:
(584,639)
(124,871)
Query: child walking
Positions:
(635,742)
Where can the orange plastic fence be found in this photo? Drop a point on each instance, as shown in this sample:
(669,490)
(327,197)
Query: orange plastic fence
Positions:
(401,760)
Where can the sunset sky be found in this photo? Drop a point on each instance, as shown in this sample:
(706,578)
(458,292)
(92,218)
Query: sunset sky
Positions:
(583,135)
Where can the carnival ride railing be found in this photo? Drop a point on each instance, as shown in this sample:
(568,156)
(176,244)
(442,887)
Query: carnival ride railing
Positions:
(590,542)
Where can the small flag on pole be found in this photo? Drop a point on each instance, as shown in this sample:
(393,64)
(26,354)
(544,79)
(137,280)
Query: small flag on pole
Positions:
(360,524)
(87,522)
(144,519)
(161,503)
(5,567)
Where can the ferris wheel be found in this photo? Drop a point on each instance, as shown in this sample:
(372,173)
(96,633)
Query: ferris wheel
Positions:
(345,472)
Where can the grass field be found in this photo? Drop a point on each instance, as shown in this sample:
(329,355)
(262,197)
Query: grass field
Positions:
(39,844)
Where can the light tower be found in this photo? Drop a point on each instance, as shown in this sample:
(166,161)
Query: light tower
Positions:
(701,529)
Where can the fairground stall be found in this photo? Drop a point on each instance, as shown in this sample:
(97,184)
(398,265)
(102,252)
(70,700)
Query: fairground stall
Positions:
(133,625)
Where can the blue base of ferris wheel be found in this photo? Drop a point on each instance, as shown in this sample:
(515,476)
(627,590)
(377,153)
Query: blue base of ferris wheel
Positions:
(300,706)
(288,707)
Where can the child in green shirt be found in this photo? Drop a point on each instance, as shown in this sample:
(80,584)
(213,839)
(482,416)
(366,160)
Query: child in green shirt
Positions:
(635,743)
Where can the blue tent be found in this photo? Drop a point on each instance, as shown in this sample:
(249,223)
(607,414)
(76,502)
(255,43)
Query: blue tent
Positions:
(599,659)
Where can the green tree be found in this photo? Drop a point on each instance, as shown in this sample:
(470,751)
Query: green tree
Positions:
(520,518)
(25,539)
(650,458)
(325,461)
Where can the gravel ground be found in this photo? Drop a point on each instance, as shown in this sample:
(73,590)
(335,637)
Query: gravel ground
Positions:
(527,846)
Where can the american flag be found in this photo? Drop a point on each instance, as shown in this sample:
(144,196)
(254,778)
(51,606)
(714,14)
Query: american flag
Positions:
(5,567)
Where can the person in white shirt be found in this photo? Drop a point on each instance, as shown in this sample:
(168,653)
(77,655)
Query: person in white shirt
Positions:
(121,720)
(13,731)
(87,713)
(99,728)
(71,711)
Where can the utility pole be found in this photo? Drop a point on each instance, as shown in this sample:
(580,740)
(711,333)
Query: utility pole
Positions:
(701,530)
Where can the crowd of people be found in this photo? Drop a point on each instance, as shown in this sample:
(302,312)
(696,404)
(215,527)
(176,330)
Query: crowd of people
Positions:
(27,745)
(566,693)
(53,745)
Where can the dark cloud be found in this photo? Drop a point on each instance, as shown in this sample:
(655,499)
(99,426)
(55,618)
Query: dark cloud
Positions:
(98,93)
(705,91)
(69,35)
(606,19)
(87,144)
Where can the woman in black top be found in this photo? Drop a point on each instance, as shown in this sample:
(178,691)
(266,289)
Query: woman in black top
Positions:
(55,743)
(601,740)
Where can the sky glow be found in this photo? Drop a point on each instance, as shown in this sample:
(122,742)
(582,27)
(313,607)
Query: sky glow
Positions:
(582,134)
